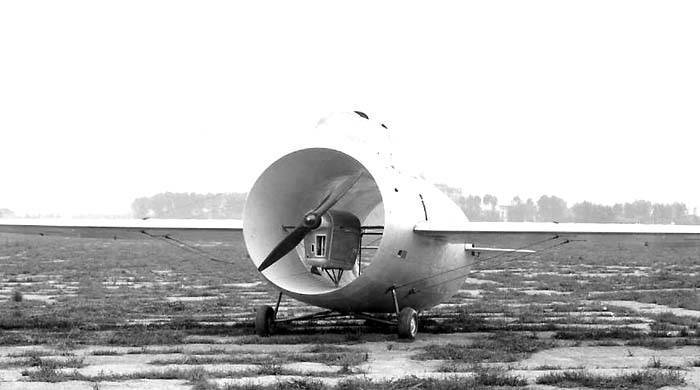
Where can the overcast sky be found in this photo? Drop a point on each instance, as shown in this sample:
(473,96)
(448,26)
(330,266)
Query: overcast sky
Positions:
(102,102)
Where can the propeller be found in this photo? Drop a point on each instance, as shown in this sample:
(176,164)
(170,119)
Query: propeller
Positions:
(311,221)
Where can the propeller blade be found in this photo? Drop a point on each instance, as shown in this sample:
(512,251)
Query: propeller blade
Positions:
(285,246)
(334,196)
(310,222)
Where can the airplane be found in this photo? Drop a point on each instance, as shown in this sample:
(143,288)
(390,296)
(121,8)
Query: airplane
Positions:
(336,223)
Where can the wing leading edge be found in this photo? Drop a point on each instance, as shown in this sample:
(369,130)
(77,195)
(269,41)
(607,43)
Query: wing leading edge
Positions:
(437,229)
(687,235)
(197,229)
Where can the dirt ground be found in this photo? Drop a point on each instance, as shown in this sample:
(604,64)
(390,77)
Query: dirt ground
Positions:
(97,314)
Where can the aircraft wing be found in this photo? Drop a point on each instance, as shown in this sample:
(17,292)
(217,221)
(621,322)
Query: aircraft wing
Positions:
(528,232)
(191,229)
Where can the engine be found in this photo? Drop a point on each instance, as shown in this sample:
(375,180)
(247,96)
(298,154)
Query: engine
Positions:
(335,244)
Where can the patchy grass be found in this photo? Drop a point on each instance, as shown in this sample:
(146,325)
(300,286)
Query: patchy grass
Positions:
(330,358)
(344,359)
(37,353)
(606,343)
(107,283)
(208,351)
(52,363)
(193,375)
(484,376)
(291,384)
(300,384)
(122,282)
(687,299)
(496,377)
(547,367)
(106,352)
(140,337)
(451,366)
(43,322)
(347,336)
(461,321)
(670,318)
(271,368)
(580,333)
(44,374)
(646,379)
(655,362)
(485,380)
(501,347)
(327,348)
(227,359)
(156,350)
(55,363)
(662,343)
(48,369)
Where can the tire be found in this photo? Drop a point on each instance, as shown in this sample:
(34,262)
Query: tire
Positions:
(408,323)
(264,320)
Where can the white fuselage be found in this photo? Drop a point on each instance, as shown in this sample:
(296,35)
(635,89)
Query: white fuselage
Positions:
(384,196)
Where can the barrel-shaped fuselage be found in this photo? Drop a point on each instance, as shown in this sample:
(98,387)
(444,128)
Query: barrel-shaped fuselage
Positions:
(385,198)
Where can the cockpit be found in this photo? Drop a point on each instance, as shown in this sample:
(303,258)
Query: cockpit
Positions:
(337,245)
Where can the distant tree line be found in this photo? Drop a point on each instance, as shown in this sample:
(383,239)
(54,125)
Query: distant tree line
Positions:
(476,208)
(552,208)
(189,205)
(6,213)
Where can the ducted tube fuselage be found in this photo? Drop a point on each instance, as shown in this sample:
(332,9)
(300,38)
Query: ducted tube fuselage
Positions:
(384,196)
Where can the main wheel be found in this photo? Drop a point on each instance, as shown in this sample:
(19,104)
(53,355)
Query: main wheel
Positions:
(264,320)
(408,323)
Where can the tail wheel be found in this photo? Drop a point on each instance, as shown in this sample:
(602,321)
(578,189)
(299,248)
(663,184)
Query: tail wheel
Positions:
(264,320)
(408,323)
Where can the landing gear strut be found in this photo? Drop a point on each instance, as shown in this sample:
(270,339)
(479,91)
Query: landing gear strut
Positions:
(406,319)
(265,317)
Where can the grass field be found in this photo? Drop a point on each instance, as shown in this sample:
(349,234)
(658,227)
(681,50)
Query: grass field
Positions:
(94,313)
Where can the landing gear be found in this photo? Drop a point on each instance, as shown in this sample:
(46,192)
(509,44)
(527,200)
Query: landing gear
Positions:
(264,320)
(408,323)
(406,319)
(265,317)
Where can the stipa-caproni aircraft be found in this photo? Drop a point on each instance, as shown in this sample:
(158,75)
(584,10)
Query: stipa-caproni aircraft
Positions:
(339,225)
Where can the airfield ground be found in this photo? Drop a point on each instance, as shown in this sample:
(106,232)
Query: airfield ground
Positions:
(99,314)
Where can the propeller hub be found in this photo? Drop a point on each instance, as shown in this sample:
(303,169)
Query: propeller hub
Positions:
(312,220)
